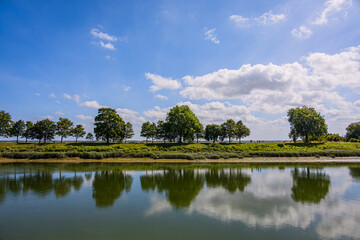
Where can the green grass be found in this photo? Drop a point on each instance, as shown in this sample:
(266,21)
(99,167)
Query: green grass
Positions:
(177,151)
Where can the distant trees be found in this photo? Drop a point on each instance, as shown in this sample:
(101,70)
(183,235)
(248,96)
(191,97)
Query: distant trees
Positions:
(5,123)
(90,137)
(228,130)
(129,131)
(29,129)
(17,129)
(78,132)
(44,130)
(305,122)
(353,131)
(109,126)
(64,128)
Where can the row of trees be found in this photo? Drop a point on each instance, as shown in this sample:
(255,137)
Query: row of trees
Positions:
(180,125)
(42,130)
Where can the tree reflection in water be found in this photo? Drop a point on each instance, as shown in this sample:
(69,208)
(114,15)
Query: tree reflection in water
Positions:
(231,180)
(309,186)
(181,186)
(355,173)
(109,185)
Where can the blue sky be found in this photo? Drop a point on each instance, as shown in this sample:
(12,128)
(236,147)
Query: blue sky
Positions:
(248,60)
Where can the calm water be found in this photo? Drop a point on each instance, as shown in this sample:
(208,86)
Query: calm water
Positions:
(124,201)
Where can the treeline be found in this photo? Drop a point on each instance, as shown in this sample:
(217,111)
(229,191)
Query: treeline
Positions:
(180,125)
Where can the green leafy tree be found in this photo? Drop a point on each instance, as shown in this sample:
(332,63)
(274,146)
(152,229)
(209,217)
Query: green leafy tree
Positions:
(78,132)
(353,131)
(212,132)
(148,130)
(241,130)
(29,129)
(64,127)
(44,129)
(182,123)
(109,125)
(90,137)
(129,131)
(199,132)
(161,131)
(17,129)
(5,123)
(228,130)
(306,122)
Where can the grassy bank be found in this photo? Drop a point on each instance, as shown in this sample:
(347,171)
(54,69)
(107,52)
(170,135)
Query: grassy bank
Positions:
(177,151)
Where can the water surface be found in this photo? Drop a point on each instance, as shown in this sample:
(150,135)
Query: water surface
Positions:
(179,201)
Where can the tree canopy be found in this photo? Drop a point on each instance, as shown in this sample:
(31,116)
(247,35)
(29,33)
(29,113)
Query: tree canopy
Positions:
(241,130)
(353,131)
(212,132)
(17,129)
(78,131)
(109,125)
(129,131)
(5,123)
(228,130)
(64,128)
(182,123)
(305,122)
(44,129)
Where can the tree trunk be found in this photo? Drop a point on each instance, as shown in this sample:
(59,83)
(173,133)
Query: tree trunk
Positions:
(62,138)
(307,138)
(76,140)
(25,140)
(17,139)
(229,140)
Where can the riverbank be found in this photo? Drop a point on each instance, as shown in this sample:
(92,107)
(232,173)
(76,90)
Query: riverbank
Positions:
(150,160)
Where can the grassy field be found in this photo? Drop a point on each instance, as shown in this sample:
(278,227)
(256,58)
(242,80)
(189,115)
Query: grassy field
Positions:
(177,151)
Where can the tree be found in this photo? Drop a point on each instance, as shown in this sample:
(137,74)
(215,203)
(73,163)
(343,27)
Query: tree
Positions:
(161,131)
(78,132)
(90,136)
(353,131)
(29,129)
(241,130)
(212,132)
(17,129)
(148,130)
(306,122)
(44,129)
(109,125)
(129,132)
(199,132)
(5,123)
(64,127)
(228,129)
(182,123)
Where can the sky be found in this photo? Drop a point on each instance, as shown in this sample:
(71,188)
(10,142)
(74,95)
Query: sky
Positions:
(244,60)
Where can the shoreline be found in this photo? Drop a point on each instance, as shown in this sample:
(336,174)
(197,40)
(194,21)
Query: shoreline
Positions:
(231,160)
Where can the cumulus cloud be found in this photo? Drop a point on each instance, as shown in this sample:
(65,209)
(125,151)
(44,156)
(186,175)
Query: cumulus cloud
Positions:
(129,115)
(37,94)
(85,118)
(266,19)
(162,82)
(331,7)
(211,36)
(162,97)
(303,32)
(126,88)
(92,104)
(52,95)
(67,96)
(105,39)
(46,117)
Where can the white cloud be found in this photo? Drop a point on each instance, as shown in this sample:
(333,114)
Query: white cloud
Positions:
(157,113)
(98,34)
(92,104)
(270,18)
(85,118)
(162,97)
(265,19)
(331,7)
(52,95)
(130,116)
(240,21)
(60,113)
(37,94)
(76,98)
(58,102)
(302,32)
(162,82)
(107,45)
(67,96)
(211,36)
